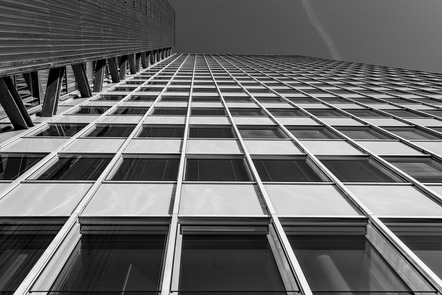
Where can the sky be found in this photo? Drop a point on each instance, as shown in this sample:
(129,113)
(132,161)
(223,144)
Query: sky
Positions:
(398,33)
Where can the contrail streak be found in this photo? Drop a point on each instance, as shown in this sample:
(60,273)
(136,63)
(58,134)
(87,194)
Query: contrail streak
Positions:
(332,48)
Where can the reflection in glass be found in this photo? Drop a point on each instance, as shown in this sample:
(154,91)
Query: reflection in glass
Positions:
(217,170)
(286,171)
(112,131)
(211,132)
(227,264)
(139,169)
(113,264)
(61,130)
(344,264)
(162,131)
(313,133)
(423,169)
(14,165)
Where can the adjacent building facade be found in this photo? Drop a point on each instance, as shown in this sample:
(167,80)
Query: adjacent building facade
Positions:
(230,174)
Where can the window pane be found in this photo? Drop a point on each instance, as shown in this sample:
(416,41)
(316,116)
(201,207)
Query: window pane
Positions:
(111,131)
(20,248)
(208,112)
(76,167)
(62,130)
(287,113)
(143,97)
(345,264)
(91,110)
(130,111)
(121,264)
(12,166)
(326,113)
(261,132)
(217,170)
(247,113)
(361,170)
(172,131)
(170,112)
(286,171)
(366,113)
(423,169)
(224,263)
(362,133)
(412,133)
(313,133)
(221,132)
(138,169)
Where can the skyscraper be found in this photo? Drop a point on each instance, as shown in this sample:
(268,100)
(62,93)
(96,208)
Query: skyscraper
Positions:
(231,174)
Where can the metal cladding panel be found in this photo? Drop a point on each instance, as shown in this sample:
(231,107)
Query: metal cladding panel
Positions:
(40,34)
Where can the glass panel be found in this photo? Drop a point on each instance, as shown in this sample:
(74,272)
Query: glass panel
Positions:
(247,113)
(365,113)
(14,165)
(21,246)
(326,113)
(211,132)
(130,111)
(228,264)
(162,131)
(76,167)
(61,130)
(111,131)
(91,110)
(113,264)
(217,170)
(139,169)
(143,97)
(287,113)
(412,133)
(208,112)
(344,264)
(313,133)
(356,133)
(423,169)
(286,171)
(170,112)
(360,170)
(261,132)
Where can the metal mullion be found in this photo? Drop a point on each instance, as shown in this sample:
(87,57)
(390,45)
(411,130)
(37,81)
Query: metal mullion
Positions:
(39,267)
(171,262)
(292,260)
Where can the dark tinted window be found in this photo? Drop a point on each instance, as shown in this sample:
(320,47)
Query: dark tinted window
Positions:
(217,170)
(313,133)
(206,99)
(61,130)
(287,113)
(139,169)
(76,167)
(112,131)
(412,133)
(111,97)
(261,132)
(286,171)
(170,111)
(362,133)
(212,132)
(130,111)
(361,170)
(91,110)
(247,112)
(14,165)
(405,113)
(162,131)
(423,169)
(366,113)
(143,97)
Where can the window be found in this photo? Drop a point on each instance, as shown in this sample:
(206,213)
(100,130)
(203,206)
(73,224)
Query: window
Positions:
(84,110)
(366,113)
(261,132)
(287,113)
(247,113)
(344,264)
(169,112)
(21,245)
(326,113)
(313,133)
(296,170)
(211,132)
(112,131)
(143,98)
(14,165)
(228,264)
(163,131)
(61,130)
(422,168)
(237,99)
(147,169)
(208,112)
(175,98)
(217,170)
(406,114)
(130,111)
(111,97)
(363,132)
(113,264)
(206,99)
(359,170)
(412,133)
(76,167)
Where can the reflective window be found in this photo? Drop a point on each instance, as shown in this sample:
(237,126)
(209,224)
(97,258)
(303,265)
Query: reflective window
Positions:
(208,112)
(406,113)
(211,132)
(130,111)
(298,170)
(170,111)
(162,131)
(247,113)
(147,169)
(86,110)
(113,264)
(21,245)
(359,170)
(76,167)
(366,113)
(363,132)
(422,168)
(143,98)
(61,130)
(326,113)
(14,165)
(412,133)
(112,131)
(217,170)
(313,133)
(287,113)
(231,264)
(261,132)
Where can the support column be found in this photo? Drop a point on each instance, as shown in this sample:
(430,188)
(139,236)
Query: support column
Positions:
(132,66)
(144,60)
(100,72)
(13,104)
(53,89)
(137,62)
(31,80)
(82,80)
(113,69)
(122,63)
(152,57)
